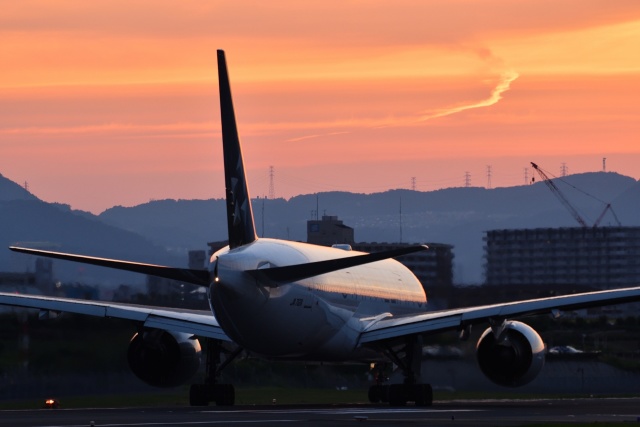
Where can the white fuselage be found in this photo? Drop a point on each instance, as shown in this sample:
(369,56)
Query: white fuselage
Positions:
(318,318)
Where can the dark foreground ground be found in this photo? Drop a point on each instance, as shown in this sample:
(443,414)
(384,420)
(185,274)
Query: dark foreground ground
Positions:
(573,412)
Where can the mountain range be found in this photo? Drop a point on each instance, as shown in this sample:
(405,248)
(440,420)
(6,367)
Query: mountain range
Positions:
(163,231)
(26,220)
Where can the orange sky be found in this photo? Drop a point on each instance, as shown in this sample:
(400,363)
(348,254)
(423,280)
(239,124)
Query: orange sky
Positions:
(115,103)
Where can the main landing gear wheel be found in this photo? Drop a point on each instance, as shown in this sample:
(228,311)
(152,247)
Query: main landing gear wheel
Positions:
(407,357)
(379,393)
(423,394)
(199,395)
(420,394)
(398,395)
(221,394)
(225,394)
(211,390)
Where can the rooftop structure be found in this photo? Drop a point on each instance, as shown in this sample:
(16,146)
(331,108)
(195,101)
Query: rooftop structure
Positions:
(329,231)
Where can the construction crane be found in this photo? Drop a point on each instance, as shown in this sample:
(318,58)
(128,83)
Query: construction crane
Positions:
(607,208)
(556,191)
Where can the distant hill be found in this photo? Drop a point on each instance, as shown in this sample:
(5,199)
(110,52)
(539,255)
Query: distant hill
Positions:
(162,231)
(178,225)
(31,222)
(9,190)
(457,216)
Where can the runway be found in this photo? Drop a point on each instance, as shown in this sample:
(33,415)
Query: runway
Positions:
(454,413)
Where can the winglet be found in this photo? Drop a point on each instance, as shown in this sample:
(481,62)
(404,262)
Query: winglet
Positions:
(240,223)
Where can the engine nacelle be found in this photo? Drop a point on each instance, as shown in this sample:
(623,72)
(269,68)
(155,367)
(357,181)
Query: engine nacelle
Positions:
(162,358)
(515,358)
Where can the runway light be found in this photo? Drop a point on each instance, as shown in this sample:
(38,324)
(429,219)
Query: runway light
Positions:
(51,404)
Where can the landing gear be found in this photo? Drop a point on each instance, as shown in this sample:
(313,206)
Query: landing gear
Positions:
(420,394)
(202,394)
(211,391)
(380,391)
(408,358)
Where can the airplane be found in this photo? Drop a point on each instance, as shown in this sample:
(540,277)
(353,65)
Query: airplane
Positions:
(285,300)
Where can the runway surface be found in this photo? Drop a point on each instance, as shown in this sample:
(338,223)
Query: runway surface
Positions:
(454,413)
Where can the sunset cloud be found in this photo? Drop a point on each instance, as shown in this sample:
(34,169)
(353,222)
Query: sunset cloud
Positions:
(327,92)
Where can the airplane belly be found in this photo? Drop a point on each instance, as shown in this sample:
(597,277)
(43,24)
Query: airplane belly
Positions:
(290,323)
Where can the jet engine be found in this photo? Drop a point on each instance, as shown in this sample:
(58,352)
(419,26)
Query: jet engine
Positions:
(162,358)
(513,358)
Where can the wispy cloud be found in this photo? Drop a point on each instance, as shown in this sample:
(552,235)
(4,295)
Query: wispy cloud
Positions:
(302,138)
(496,95)
(109,128)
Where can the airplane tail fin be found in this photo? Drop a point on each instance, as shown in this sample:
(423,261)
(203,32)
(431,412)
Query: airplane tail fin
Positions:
(240,221)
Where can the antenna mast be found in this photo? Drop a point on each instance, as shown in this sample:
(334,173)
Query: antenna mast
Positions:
(400,219)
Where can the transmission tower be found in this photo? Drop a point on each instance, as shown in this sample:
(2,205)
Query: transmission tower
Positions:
(564,169)
(413,183)
(272,189)
(467,179)
(489,176)
(604,164)
(526,176)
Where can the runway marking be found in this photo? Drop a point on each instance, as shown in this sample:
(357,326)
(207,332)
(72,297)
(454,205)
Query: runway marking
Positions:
(347,411)
(182,423)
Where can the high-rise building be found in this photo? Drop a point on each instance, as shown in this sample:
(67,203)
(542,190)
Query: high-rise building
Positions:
(604,257)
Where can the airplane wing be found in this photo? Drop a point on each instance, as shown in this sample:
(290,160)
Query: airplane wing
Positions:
(438,321)
(200,323)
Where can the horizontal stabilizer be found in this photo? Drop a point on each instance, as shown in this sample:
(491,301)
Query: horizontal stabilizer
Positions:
(196,277)
(291,273)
